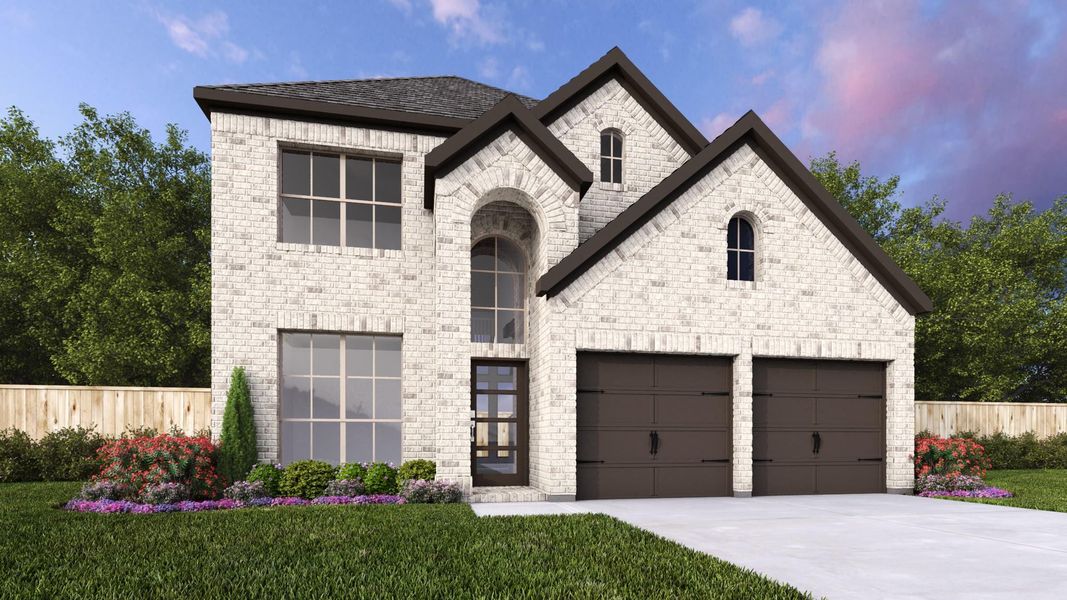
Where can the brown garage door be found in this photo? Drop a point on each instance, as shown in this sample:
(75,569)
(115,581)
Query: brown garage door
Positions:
(818,427)
(653,426)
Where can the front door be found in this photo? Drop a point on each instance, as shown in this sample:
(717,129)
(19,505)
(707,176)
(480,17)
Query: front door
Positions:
(499,427)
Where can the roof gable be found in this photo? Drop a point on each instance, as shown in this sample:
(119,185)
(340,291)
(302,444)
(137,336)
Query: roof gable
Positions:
(508,115)
(749,129)
(615,64)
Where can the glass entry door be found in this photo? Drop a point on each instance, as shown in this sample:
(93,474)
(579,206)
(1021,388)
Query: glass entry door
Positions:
(499,423)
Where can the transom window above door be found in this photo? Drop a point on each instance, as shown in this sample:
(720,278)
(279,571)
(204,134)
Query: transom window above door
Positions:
(339,200)
(498,292)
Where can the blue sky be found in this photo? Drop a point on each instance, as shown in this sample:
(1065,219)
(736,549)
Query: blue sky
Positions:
(962,99)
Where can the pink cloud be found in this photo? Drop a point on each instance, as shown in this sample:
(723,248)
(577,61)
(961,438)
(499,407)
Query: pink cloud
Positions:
(957,96)
(465,18)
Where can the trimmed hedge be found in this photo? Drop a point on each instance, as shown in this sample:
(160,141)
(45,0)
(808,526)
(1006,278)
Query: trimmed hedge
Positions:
(306,478)
(1025,451)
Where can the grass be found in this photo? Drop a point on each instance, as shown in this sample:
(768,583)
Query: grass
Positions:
(416,551)
(1041,489)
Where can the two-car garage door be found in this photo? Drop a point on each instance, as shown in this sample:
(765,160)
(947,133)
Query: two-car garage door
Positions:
(660,426)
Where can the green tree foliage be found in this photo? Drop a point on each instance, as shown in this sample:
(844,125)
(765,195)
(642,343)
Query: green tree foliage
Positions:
(998,331)
(237,454)
(104,241)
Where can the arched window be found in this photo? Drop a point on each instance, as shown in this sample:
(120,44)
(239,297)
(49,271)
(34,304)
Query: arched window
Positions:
(610,156)
(741,250)
(498,292)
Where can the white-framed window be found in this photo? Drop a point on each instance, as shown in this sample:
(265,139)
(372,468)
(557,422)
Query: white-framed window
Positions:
(336,199)
(340,397)
(740,250)
(498,292)
(610,156)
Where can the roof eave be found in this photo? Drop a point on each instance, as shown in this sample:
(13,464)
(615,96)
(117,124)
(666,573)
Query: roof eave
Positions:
(788,168)
(218,100)
(616,64)
(508,114)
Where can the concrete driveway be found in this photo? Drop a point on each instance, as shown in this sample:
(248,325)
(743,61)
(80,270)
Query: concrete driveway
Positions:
(858,546)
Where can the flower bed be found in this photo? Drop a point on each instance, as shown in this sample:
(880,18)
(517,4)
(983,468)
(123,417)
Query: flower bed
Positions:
(985,492)
(125,506)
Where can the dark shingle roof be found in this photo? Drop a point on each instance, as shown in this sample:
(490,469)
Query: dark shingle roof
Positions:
(446,96)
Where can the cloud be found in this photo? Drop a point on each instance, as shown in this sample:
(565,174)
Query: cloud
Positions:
(714,126)
(489,68)
(958,97)
(750,27)
(519,79)
(465,19)
(204,37)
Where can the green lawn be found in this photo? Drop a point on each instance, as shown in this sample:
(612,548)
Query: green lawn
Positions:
(1043,489)
(344,551)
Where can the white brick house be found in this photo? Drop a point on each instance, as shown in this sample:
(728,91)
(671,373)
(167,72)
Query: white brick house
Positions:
(574,296)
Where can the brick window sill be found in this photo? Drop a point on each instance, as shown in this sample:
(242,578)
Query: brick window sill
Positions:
(338,250)
(732,284)
(611,187)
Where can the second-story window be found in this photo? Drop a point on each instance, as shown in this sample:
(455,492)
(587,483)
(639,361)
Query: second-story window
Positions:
(611,156)
(339,200)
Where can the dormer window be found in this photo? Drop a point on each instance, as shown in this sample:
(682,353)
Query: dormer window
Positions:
(611,156)
(740,250)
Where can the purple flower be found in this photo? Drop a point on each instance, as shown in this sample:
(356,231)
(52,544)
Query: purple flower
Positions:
(986,492)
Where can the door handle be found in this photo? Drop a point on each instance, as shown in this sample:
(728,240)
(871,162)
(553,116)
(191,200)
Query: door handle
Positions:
(653,440)
(816,442)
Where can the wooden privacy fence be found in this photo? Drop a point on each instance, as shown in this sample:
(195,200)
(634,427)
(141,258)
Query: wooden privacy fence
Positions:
(39,409)
(1010,418)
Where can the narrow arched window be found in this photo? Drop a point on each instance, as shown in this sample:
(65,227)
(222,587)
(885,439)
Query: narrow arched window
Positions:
(611,156)
(741,250)
(498,292)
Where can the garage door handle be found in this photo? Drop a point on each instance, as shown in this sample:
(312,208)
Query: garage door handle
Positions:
(586,462)
(869,459)
(868,395)
(816,442)
(714,393)
(762,460)
(653,440)
(715,460)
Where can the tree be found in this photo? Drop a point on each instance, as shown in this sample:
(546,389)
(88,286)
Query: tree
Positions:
(104,276)
(998,331)
(237,454)
(872,202)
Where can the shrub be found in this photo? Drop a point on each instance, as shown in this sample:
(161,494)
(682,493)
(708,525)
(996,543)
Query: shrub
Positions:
(380,479)
(419,491)
(246,491)
(69,454)
(422,469)
(18,457)
(352,471)
(269,475)
(306,478)
(103,490)
(949,456)
(164,493)
(1025,451)
(345,487)
(139,462)
(237,452)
